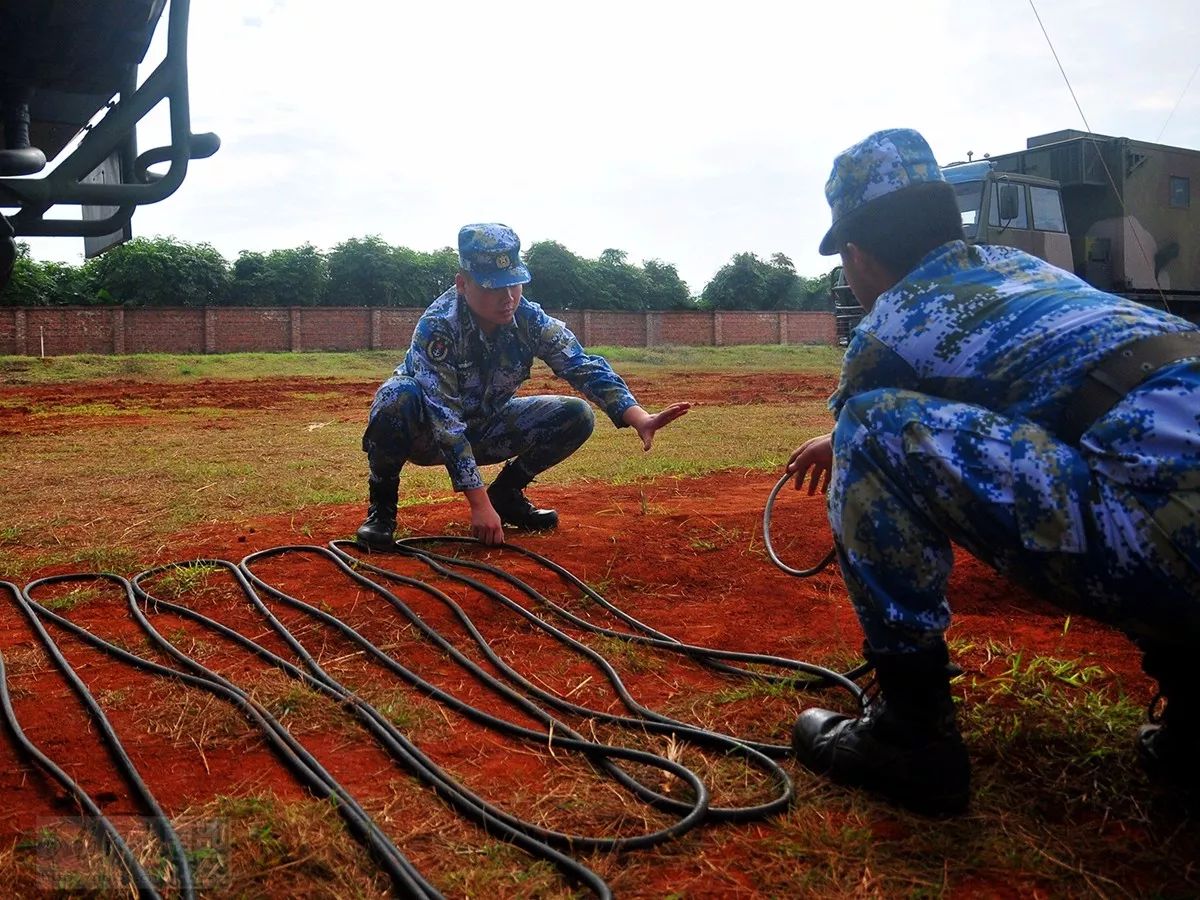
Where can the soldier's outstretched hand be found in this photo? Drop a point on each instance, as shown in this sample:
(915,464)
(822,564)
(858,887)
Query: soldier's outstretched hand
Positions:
(646,425)
(813,459)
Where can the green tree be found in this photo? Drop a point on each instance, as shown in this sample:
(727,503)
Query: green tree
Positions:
(748,282)
(619,284)
(45,283)
(817,295)
(422,277)
(561,279)
(297,277)
(363,272)
(664,288)
(371,272)
(160,272)
(739,284)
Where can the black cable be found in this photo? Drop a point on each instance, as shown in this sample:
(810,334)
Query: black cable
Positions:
(302,764)
(96,819)
(538,841)
(768,510)
(649,722)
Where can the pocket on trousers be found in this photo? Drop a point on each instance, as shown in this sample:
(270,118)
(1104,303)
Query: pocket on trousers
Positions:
(1049,483)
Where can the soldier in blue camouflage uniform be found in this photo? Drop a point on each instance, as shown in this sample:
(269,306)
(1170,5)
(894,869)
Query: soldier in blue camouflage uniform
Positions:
(991,400)
(452,399)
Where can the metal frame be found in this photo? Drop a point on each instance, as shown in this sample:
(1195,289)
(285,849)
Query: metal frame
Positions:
(114,132)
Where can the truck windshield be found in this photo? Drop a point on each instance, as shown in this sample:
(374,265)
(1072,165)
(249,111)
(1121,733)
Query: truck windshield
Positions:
(969,195)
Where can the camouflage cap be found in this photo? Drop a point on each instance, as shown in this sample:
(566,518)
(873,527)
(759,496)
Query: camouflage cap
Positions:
(881,164)
(491,255)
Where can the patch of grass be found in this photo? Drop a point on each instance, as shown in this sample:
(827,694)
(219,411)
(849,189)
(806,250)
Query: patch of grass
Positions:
(759,357)
(183,579)
(71,599)
(628,656)
(81,409)
(118,560)
(501,870)
(172,367)
(1051,722)
(379,364)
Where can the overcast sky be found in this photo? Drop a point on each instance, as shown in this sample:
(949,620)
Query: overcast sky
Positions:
(681,131)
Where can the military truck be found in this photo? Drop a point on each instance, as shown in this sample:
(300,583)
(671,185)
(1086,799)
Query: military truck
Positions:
(69,69)
(1116,212)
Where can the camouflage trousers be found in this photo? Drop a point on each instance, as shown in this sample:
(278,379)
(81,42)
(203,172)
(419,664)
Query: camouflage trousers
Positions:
(913,473)
(538,431)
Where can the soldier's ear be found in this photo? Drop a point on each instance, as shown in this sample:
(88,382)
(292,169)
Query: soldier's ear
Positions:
(460,282)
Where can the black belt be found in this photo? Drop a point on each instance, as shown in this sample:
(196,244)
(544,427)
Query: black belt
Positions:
(1119,372)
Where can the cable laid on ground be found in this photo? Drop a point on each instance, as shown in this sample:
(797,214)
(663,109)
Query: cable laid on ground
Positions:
(95,820)
(514,689)
(302,764)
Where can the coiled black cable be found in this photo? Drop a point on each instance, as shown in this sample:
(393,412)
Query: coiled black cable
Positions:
(541,842)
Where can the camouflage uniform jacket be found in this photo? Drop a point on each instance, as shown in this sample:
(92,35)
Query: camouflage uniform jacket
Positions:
(998,328)
(467,378)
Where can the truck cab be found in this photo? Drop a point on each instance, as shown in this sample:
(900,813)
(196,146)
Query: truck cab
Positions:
(1022,211)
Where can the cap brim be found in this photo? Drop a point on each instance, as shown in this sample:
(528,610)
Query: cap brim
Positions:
(516,275)
(829,242)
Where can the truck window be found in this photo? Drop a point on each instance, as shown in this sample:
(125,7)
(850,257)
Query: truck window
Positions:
(1181,192)
(1047,209)
(1020,220)
(969,195)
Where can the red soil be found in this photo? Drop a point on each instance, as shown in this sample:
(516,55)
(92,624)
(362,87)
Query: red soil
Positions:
(32,409)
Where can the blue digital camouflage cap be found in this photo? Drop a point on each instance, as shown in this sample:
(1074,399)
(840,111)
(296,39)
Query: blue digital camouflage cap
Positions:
(885,162)
(491,255)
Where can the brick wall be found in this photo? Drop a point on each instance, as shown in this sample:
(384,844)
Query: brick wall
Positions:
(67,330)
(237,329)
(164,331)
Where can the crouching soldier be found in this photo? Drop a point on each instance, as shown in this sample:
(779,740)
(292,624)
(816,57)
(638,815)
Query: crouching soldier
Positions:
(452,399)
(1052,430)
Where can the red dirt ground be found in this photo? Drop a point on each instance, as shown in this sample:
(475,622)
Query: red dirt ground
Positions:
(683,555)
(31,409)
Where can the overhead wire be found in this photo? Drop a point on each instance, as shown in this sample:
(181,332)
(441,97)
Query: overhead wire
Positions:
(1117,192)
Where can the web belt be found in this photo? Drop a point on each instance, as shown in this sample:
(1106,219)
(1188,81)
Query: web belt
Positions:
(1119,372)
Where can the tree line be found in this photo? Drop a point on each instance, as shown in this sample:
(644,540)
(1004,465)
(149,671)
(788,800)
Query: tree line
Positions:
(368,271)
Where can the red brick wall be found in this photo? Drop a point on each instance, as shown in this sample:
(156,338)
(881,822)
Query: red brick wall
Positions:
(810,328)
(237,329)
(749,328)
(687,328)
(396,328)
(8,332)
(336,328)
(615,329)
(573,319)
(164,331)
(68,330)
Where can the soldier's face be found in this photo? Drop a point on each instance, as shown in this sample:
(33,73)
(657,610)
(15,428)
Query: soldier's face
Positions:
(865,276)
(492,307)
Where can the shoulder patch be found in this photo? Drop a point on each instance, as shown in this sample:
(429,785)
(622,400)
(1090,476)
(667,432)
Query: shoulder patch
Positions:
(439,348)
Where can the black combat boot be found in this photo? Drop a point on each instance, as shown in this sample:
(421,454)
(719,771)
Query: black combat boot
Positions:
(905,745)
(1169,746)
(381,512)
(507,494)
